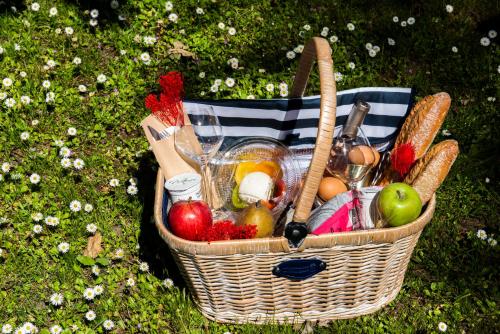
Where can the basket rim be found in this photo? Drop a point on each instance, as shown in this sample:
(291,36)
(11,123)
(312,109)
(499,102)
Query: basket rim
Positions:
(280,244)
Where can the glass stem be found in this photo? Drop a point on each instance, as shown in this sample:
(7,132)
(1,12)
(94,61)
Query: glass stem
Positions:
(206,178)
(356,219)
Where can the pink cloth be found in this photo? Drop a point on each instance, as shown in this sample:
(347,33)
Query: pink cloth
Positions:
(338,222)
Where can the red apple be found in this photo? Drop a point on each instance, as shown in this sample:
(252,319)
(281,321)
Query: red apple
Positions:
(190,219)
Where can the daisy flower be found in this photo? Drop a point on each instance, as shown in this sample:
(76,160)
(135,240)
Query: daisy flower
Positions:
(91,228)
(82,88)
(372,53)
(71,132)
(64,152)
(231,31)
(351,65)
(56,329)
(368,46)
(391,41)
(90,315)
(145,57)
(143,266)
(492,34)
(201,75)
(35,6)
(63,247)
(442,327)
(20,330)
(173,17)
(492,242)
(7,82)
(449,8)
(6,167)
(334,39)
(10,102)
(199,11)
(485,41)
(487,180)
(78,164)
(25,100)
(307,27)
(168,283)
(51,221)
(66,162)
(149,40)
(481,234)
(38,216)
(68,31)
(3,95)
(132,190)
(46,84)
(17,47)
(376,48)
(454,49)
(28,327)
(114,4)
(96,271)
(130,282)
(101,78)
(338,76)
(270,87)
(169,6)
(75,206)
(214,88)
(324,32)
(25,135)
(37,229)
(94,13)
(284,92)
(290,54)
(88,207)
(230,82)
(34,178)
(299,48)
(58,31)
(133,180)
(395,19)
(51,63)
(403,23)
(119,253)
(411,21)
(56,299)
(77,60)
(49,97)
(59,143)
(88,294)
(34,122)
(98,289)
(114,182)
(221,25)
(93,22)
(7,329)
(350,26)
(108,324)
(53,11)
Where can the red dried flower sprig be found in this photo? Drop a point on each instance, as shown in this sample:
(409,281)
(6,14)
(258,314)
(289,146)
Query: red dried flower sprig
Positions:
(402,158)
(226,230)
(168,107)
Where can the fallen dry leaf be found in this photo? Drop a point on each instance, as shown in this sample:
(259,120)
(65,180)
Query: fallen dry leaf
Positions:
(180,48)
(93,246)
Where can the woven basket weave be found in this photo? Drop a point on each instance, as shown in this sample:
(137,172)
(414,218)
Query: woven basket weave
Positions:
(232,281)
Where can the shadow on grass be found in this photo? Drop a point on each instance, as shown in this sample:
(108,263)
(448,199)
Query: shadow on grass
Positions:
(153,248)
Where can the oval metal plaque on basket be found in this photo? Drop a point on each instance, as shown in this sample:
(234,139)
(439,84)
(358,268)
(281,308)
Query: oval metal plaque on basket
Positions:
(299,269)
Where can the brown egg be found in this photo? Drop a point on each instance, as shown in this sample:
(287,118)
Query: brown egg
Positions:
(329,187)
(362,155)
(377,156)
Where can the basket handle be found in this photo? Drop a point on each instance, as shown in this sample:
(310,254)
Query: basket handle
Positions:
(316,49)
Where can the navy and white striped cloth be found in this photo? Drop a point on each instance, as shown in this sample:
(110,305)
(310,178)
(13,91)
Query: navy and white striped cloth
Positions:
(295,121)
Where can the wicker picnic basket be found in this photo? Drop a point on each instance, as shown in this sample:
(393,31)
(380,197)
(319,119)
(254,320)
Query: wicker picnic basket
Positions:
(361,271)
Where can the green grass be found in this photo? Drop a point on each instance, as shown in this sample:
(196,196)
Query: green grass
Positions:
(453,275)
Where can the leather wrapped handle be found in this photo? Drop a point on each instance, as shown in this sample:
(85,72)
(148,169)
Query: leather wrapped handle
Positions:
(317,49)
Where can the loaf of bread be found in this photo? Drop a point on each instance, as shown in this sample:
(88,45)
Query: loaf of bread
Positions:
(430,171)
(419,129)
(423,123)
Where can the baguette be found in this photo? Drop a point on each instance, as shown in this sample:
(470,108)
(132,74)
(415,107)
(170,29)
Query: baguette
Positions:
(423,123)
(430,171)
(420,129)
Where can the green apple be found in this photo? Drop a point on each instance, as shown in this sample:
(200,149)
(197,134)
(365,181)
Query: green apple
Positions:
(399,204)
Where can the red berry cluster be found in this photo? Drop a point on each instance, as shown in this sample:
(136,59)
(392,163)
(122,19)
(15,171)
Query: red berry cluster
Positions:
(168,107)
(226,230)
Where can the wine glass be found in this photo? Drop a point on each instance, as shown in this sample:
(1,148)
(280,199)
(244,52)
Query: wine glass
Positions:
(351,158)
(198,138)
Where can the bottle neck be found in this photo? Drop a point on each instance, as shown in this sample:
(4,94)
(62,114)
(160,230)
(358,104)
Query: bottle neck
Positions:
(355,119)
